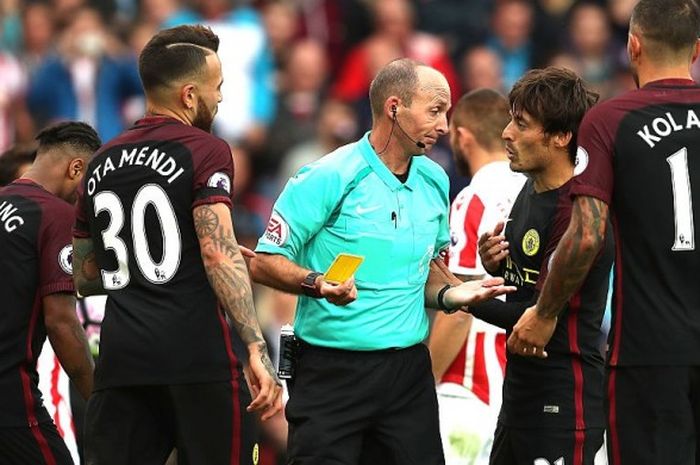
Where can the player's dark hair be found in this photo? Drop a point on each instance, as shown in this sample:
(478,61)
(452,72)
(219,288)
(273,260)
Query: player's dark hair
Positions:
(79,136)
(485,113)
(556,98)
(674,24)
(398,78)
(175,53)
(12,159)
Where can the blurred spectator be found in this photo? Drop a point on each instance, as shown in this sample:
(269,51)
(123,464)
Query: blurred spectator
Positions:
(15,162)
(14,121)
(463,24)
(281,25)
(511,28)
(393,32)
(10,25)
(336,127)
(88,79)
(247,68)
(482,67)
(590,36)
(38,34)
(298,105)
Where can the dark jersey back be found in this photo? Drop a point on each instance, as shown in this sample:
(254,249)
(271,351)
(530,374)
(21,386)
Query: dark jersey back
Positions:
(35,261)
(162,321)
(642,157)
(565,390)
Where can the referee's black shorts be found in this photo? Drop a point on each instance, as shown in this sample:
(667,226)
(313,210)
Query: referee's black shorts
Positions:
(207,424)
(373,408)
(542,446)
(653,415)
(36,445)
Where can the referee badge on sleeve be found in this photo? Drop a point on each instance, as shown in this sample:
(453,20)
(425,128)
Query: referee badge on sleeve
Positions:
(277,230)
(65,259)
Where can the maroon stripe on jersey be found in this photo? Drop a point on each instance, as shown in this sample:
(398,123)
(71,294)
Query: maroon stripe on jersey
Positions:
(572,326)
(455,373)
(236,427)
(480,379)
(475,210)
(27,391)
(612,419)
(211,200)
(501,351)
(617,315)
(579,441)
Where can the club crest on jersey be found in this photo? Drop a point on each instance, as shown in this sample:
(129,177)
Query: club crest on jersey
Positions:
(220,181)
(65,259)
(277,230)
(581,162)
(531,242)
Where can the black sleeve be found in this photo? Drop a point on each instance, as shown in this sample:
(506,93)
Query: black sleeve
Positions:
(499,313)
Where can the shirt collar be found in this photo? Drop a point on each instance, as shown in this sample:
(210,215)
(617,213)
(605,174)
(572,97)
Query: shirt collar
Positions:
(382,170)
(671,82)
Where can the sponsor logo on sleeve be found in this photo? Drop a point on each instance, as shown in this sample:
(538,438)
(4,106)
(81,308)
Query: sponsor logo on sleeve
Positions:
(277,230)
(581,161)
(65,259)
(220,180)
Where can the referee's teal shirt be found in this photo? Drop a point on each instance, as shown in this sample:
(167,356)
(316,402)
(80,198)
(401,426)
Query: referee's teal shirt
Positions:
(349,201)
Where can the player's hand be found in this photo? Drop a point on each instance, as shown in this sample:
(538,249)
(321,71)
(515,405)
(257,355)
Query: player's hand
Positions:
(246,252)
(531,334)
(338,294)
(473,292)
(266,387)
(493,248)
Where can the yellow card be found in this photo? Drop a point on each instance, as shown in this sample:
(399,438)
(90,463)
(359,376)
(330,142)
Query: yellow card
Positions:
(343,267)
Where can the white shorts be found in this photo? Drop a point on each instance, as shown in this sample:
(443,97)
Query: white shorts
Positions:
(467,425)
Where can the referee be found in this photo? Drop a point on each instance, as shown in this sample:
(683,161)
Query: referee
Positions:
(362,375)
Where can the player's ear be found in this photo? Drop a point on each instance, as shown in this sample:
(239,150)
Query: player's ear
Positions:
(696,51)
(464,136)
(562,139)
(188,96)
(76,167)
(634,46)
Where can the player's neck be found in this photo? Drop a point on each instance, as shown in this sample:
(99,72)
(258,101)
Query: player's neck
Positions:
(159,110)
(649,74)
(480,158)
(45,176)
(554,176)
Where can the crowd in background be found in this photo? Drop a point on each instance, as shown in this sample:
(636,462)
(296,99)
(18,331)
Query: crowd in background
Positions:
(296,74)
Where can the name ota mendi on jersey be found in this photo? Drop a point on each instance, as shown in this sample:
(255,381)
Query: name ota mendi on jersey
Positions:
(158,161)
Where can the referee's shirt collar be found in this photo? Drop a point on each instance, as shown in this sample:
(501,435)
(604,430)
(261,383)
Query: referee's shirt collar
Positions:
(382,170)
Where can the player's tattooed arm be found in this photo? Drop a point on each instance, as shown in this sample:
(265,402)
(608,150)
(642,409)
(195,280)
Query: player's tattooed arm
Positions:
(86,273)
(575,254)
(228,275)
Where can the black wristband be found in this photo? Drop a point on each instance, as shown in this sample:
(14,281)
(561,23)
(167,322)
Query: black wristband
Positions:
(441,299)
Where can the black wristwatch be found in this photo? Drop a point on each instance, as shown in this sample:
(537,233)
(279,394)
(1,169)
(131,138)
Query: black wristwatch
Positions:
(441,300)
(308,285)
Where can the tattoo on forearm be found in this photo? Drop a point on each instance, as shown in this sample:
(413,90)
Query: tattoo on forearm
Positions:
(231,284)
(575,254)
(267,363)
(86,271)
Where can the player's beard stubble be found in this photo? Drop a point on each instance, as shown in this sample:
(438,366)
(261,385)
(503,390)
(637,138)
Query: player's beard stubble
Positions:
(204,117)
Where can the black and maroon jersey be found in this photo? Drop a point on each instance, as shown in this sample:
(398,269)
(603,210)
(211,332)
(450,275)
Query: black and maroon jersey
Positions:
(35,261)
(565,390)
(640,153)
(162,324)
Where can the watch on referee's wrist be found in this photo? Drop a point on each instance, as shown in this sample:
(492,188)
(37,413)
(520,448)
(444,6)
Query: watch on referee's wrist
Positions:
(441,300)
(308,285)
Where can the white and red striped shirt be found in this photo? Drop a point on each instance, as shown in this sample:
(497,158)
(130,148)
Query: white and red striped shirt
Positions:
(480,363)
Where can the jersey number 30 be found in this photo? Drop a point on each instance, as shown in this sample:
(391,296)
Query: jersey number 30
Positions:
(157,273)
(682,201)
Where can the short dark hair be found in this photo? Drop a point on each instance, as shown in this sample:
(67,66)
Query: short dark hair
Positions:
(398,78)
(175,53)
(556,97)
(485,113)
(79,136)
(672,24)
(12,159)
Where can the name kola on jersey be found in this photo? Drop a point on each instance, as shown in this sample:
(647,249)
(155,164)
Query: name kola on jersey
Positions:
(663,126)
(8,216)
(158,161)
